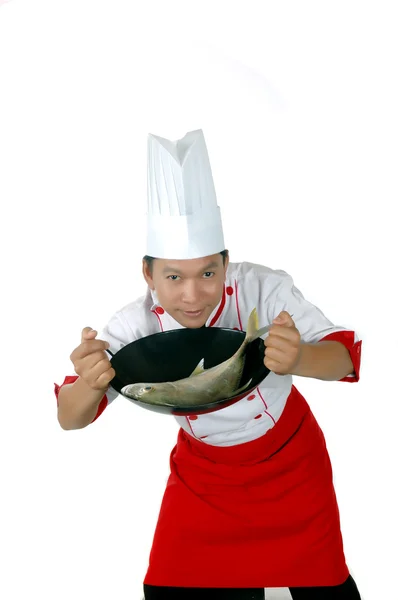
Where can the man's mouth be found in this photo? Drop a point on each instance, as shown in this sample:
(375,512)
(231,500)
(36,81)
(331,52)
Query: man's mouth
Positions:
(193,313)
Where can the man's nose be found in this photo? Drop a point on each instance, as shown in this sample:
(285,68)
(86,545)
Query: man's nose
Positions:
(190,292)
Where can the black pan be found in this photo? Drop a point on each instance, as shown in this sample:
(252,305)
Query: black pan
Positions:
(173,355)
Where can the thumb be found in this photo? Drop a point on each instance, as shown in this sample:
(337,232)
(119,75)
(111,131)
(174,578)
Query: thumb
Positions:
(284,319)
(88,334)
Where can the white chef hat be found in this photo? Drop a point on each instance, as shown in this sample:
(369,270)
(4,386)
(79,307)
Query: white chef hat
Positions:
(183,219)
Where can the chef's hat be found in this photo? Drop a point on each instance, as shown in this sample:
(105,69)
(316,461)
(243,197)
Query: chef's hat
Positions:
(183,219)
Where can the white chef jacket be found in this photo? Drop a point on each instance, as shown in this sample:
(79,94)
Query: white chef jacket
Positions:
(247,286)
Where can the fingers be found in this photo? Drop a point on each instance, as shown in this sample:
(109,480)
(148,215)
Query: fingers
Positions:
(101,374)
(281,348)
(275,355)
(275,367)
(96,369)
(91,362)
(89,345)
(280,334)
(279,362)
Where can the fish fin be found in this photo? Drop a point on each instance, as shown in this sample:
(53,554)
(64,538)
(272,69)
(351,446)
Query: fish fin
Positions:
(236,392)
(199,368)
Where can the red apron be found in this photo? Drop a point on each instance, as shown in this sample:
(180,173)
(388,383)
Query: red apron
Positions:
(259,514)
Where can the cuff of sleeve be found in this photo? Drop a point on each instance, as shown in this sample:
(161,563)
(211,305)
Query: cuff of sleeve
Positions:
(347,338)
(71,379)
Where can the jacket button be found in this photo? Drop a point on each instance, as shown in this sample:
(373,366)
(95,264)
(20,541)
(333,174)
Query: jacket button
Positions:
(230,290)
(193,418)
(258,417)
(160,310)
(251,398)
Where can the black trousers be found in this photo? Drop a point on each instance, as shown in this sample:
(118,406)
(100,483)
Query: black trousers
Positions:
(346,591)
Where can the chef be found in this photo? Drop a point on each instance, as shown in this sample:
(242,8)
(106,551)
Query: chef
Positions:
(249,502)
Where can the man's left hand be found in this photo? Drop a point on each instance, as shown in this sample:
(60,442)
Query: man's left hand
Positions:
(283,350)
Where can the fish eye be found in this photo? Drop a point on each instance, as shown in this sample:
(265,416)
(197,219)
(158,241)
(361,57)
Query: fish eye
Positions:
(147,388)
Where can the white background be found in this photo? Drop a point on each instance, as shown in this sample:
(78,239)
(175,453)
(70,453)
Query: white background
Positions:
(298,103)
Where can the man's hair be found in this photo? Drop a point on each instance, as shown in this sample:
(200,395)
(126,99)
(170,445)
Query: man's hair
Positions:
(149,259)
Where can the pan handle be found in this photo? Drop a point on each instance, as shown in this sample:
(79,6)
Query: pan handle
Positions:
(109,352)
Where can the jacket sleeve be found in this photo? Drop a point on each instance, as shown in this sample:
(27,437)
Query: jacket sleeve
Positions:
(312,324)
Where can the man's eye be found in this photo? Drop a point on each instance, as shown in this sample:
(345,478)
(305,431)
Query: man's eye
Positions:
(171,277)
(209,274)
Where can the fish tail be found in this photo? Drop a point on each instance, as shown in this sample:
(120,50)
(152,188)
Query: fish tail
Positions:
(252,326)
(253,332)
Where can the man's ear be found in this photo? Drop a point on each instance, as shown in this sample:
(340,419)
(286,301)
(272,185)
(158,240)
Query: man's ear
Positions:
(147,275)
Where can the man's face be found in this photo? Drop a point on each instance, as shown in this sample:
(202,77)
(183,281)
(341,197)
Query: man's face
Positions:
(189,290)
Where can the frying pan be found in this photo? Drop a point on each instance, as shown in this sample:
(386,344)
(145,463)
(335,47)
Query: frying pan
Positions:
(173,355)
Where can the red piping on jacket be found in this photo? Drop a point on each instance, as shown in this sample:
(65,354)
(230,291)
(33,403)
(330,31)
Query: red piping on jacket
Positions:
(237,306)
(266,411)
(220,309)
(159,319)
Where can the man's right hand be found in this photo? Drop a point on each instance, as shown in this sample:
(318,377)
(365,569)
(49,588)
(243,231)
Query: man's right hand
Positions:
(90,361)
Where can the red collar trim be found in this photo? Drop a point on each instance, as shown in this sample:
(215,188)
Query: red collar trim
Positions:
(220,309)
